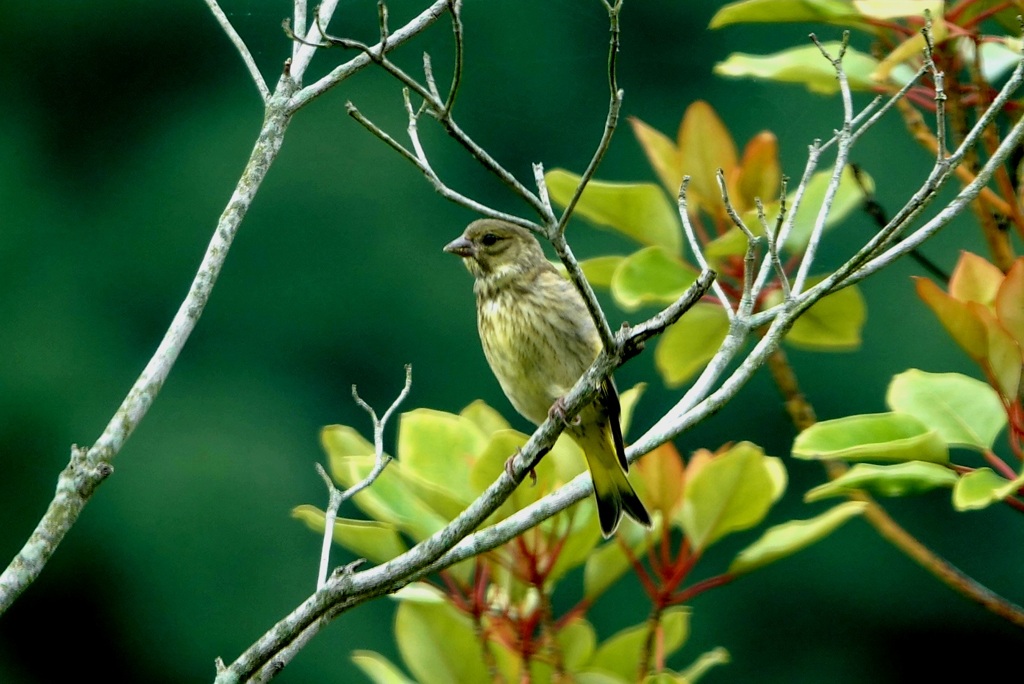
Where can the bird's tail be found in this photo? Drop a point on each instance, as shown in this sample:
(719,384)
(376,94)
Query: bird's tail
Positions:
(612,490)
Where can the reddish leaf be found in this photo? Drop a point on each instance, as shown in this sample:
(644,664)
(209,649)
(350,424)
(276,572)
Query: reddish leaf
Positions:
(661,474)
(759,172)
(661,152)
(1010,302)
(1002,357)
(958,320)
(705,146)
(975,280)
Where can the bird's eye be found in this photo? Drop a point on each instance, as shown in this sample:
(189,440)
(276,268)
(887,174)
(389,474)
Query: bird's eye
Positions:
(489,240)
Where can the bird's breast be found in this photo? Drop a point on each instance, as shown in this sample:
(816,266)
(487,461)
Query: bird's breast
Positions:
(535,346)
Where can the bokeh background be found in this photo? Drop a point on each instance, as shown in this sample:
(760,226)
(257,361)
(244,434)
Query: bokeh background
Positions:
(124,128)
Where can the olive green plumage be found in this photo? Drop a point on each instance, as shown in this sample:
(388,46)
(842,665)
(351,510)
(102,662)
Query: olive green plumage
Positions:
(539,339)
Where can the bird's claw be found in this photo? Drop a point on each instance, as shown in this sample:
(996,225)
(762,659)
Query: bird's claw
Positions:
(511,473)
(558,411)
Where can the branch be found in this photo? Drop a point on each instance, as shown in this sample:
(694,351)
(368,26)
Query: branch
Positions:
(88,467)
(344,592)
(243,49)
(611,121)
(381,461)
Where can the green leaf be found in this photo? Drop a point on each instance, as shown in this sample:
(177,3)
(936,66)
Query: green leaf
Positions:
(662,154)
(491,463)
(650,276)
(376,541)
(963,411)
(437,451)
(833,323)
(982,488)
(706,661)
(438,644)
(890,437)
(340,442)
(379,669)
(390,499)
(627,403)
(901,479)
(732,242)
(849,197)
(786,539)
(577,641)
(691,342)
(599,270)
(620,654)
(780,11)
(732,492)
(484,417)
(639,210)
(804,65)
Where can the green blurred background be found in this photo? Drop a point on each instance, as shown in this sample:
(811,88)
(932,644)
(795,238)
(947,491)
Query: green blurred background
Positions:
(125,126)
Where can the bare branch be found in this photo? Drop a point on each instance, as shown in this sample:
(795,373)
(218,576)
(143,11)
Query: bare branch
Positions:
(455,10)
(695,247)
(746,303)
(611,120)
(243,49)
(342,593)
(773,243)
(89,467)
(333,504)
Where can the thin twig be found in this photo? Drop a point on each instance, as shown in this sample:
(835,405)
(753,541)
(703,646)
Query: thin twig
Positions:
(772,239)
(299,25)
(838,167)
(746,303)
(340,73)
(611,120)
(455,10)
(309,41)
(419,159)
(695,246)
(342,594)
(330,515)
(243,49)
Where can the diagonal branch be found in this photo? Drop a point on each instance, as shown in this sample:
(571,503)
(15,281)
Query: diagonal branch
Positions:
(346,591)
(243,50)
(89,467)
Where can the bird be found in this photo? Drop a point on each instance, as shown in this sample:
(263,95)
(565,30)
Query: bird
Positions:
(539,339)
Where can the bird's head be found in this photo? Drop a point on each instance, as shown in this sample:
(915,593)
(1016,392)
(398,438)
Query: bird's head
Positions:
(496,250)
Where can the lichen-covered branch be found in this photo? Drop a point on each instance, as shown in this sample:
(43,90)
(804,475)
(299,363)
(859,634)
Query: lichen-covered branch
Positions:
(88,467)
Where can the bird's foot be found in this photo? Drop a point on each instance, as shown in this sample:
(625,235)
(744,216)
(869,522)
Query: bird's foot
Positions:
(511,472)
(557,410)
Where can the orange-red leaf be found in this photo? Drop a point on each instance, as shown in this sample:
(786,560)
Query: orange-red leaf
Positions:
(958,320)
(705,145)
(975,280)
(759,172)
(1010,302)
(661,152)
(661,472)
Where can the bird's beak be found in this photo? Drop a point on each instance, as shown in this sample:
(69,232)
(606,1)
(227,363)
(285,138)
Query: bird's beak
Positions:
(460,246)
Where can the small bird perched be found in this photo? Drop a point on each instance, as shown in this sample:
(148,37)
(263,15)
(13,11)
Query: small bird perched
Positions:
(539,339)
